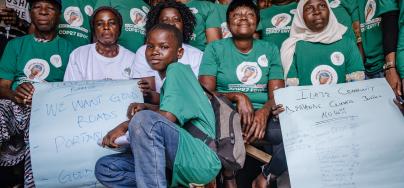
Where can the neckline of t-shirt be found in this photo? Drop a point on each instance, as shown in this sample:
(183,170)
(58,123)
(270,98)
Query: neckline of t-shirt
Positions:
(36,40)
(238,51)
(108,59)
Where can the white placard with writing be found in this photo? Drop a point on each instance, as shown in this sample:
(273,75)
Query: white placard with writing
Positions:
(67,121)
(343,136)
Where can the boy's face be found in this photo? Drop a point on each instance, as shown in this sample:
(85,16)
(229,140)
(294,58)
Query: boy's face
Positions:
(162,49)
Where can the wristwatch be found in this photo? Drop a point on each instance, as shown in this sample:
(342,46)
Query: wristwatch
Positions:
(388,65)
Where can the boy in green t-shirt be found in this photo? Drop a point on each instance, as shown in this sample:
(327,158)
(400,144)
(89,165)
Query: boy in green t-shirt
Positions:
(134,14)
(157,137)
(74,23)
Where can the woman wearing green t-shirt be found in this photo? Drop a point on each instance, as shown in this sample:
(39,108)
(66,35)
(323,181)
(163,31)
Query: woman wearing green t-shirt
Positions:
(39,57)
(317,52)
(246,71)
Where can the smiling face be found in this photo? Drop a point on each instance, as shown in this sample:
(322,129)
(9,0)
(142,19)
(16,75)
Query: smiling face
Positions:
(162,48)
(242,22)
(106,27)
(173,17)
(316,15)
(44,16)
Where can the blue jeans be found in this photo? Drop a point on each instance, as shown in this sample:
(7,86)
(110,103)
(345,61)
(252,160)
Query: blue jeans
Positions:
(278,164)
(154,142)
(375,75)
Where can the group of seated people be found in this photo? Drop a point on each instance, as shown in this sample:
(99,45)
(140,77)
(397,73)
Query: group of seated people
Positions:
(231,47)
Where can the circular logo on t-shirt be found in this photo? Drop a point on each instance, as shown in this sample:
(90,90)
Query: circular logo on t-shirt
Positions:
(194,10)
(56,60)
(263,61)
(138,17)
(370,10)
(73,16)
(335,3)
(249,73)
(293,11)
(126,72)
(145,9)
(225,30)
(324,74)
(337,58)
(36,70)
(281,20)
(88,9)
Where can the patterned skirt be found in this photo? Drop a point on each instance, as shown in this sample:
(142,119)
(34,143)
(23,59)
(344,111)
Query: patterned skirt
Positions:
(14,127)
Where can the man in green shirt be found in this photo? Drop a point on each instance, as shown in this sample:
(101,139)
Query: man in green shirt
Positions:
(157,136)
(207,28)
(74,23)
(276,21)
(39,57)
(134,20)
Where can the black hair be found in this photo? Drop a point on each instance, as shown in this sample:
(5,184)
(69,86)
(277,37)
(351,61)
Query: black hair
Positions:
(169,28)
(56,3)
(187,17)
(113,10)
(242,3)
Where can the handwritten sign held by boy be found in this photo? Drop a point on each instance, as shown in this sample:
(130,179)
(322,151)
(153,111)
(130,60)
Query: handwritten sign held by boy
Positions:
(67,121)
(346,135)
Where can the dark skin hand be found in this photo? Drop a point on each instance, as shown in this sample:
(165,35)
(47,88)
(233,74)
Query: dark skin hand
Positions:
(147,86)
(8,15)
(121,129)
(22,95)
(253,123)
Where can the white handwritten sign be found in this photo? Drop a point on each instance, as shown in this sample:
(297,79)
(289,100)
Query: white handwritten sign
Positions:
(346,135)
(67,121)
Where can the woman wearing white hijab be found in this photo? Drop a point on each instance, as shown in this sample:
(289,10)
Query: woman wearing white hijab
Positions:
(316,51)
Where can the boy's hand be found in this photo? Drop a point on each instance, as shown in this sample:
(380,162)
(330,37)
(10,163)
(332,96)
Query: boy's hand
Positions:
(145,87)
(24,93)
(109,139)
(134,108)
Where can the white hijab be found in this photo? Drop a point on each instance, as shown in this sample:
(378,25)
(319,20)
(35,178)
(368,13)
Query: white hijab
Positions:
(299,31)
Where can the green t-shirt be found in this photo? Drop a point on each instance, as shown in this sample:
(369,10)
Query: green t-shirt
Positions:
(386,6)
(182,95)
(325,63)
(134,20)
(276,22)
(26,60)
(239,72)
(207,16)
(222,9)
(346,12)
(74,24)
(371,36)
(400,48)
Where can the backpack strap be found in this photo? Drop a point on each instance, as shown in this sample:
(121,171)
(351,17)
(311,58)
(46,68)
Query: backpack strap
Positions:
(197,133)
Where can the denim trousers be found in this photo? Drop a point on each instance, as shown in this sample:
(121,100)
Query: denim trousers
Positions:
(154,143)
(278,164)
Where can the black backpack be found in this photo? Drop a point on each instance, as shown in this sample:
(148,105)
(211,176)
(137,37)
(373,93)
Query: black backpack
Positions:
(229,143)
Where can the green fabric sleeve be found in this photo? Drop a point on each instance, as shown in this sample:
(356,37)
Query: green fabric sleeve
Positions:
(8,62)
(400,52)
(176,98)
(275,66)
(293,69)
(386,6)
(209,63)
(353,60)
(213,18)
